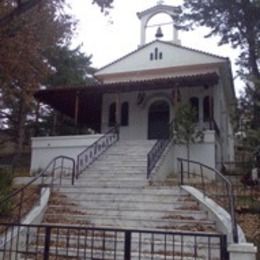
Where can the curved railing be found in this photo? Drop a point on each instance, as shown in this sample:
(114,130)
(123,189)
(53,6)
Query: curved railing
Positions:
(157,151)
(212,183)
(18,201)
(92,152)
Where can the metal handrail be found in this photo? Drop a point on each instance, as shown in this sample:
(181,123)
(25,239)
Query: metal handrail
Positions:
(226,186)
(157,151)
(92,152)
(48,173)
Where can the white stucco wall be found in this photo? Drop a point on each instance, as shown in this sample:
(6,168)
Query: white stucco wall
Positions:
(200,152)
(172,56)
(138,114)
(44,149)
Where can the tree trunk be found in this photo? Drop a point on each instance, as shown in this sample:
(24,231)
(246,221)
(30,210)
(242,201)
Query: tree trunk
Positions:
(253,59)
(251,34)
(188,157)
(21,9)
(36,123)
(54,123)
(19,139)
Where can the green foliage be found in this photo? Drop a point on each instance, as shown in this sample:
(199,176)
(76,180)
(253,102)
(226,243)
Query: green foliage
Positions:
(236,22)
(186,129)
(5,189)
(249,115)
(103,4)
(71,67)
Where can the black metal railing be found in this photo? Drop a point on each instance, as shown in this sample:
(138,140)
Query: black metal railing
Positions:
(212,184)
(216,128)
(155,154)
(92,152)
(20,201)
(157,151)
(61,242)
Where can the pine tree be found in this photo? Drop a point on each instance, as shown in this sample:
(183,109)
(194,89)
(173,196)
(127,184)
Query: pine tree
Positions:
(237,22)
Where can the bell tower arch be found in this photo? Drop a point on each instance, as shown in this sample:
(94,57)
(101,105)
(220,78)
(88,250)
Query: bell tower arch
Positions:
(146,15)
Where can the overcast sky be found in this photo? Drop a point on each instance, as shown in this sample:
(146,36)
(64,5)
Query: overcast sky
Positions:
(109,37)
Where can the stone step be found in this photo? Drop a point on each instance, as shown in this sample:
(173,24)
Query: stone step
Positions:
(111,184)
(119,167)
(134,222)
(127,171)
(97,253)
(142,154)
(132,148)
(153,213)
(124,158)
(147,190)
(136,142)
(112,175)
(77,195)
(136,205)
(110,163)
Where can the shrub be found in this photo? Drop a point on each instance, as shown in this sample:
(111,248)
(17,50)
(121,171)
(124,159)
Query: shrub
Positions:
(6,179)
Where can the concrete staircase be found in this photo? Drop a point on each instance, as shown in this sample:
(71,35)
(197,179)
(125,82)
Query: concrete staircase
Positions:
(114,193)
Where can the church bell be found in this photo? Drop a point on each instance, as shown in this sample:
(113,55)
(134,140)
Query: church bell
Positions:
(159,33)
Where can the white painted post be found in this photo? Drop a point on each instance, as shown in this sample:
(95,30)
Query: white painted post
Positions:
(242,251)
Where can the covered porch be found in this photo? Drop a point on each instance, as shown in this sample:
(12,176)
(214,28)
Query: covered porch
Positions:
(143,109)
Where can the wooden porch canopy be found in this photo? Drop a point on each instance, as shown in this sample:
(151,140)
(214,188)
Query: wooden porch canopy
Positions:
(84,103)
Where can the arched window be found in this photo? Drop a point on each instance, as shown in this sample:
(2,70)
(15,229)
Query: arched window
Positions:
(194,103)
(207,109)
(112,114)
(124,114)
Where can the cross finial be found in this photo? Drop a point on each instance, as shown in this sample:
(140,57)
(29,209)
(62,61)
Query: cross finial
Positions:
(160,2)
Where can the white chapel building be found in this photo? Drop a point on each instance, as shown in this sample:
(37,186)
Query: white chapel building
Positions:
(141,91)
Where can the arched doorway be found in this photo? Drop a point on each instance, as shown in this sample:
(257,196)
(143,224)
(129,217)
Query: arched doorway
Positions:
(158,120)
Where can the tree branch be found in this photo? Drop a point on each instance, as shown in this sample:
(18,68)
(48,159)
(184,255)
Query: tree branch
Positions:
(22,7)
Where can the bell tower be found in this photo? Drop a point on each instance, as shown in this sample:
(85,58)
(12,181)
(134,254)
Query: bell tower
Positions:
(146,15)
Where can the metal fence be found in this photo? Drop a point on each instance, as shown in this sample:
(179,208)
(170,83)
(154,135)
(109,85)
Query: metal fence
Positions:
(60,242)
(59,171)
(212,184)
